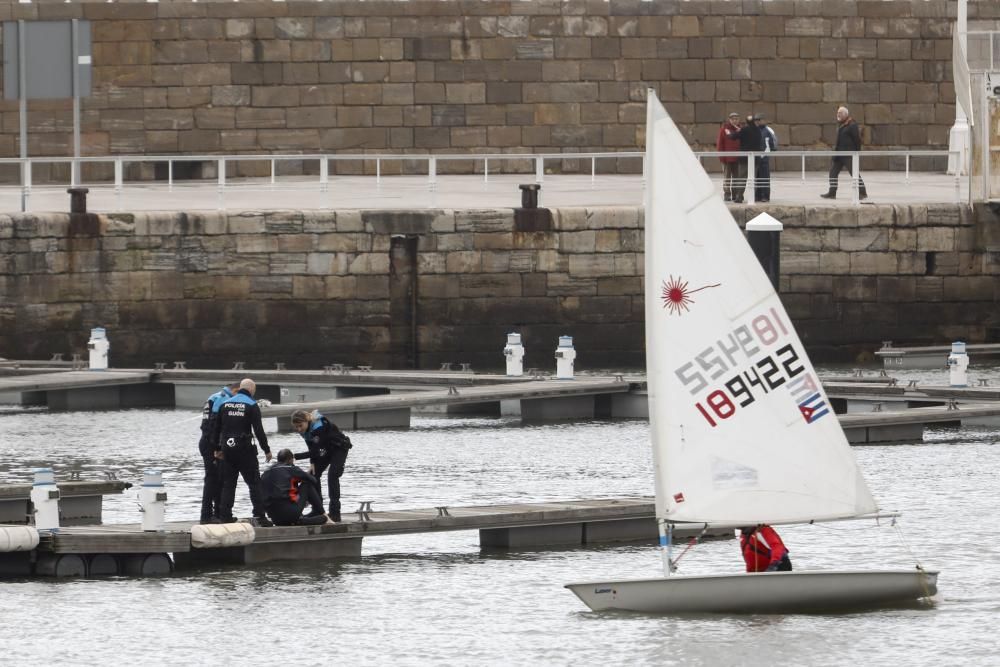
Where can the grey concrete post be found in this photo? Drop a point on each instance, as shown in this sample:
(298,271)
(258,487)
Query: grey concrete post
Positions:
(764,237)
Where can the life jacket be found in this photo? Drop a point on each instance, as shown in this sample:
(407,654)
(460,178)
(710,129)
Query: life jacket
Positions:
(761,548)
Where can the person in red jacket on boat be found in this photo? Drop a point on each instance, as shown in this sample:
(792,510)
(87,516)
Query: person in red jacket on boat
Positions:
(763,550)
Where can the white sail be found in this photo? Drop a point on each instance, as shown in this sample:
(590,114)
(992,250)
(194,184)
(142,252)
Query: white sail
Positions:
(741,428)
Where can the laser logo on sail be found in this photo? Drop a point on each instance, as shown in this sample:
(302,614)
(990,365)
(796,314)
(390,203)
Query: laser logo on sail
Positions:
(677,296)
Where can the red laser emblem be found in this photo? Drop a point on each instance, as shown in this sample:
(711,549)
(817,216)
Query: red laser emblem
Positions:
(677,296)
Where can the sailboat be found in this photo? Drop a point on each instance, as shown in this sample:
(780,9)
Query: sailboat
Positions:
(741,429)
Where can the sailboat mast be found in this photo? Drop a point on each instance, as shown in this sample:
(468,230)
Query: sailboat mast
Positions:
(666,545)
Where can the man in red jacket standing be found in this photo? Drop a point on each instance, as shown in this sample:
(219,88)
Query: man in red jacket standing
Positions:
(726,142)
(763,550)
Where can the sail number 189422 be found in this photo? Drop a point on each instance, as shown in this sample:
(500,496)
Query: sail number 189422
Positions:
(768,373)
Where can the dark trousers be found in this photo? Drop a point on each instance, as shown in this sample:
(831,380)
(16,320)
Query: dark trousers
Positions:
(730,171)
(740,184)
(289,513)
(786,564)
(336,465)
(762,185)
(835,167)
(211,491)
(240,461)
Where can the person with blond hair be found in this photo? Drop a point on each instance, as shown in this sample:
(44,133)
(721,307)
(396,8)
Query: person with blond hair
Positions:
(327,448)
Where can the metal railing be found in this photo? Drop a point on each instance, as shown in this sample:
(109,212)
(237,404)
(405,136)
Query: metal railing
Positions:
(485,163)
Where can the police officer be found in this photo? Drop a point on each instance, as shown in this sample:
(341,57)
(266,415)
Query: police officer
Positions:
(328,448)
(236,417)
(211,493)
(285,489)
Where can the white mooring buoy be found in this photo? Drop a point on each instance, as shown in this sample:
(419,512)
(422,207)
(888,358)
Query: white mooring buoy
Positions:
(958,365)
(45,499)
(153,499)
(565,355)
(514,352)
(99,347)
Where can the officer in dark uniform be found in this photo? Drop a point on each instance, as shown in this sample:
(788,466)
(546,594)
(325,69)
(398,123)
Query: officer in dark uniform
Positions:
(211,493)
(328,447)
(285,489)
(236,418)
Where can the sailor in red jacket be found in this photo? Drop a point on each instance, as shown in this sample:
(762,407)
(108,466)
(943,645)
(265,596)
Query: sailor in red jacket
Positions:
(763,550)
(729,141)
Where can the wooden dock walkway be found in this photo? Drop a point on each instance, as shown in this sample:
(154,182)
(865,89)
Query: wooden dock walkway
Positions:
(931,356)
(72,380)
(77,551)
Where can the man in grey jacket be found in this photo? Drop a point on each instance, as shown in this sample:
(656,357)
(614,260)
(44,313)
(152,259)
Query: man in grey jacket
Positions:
(848,139)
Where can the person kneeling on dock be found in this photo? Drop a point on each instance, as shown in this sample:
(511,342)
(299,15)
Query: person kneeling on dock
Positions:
(763,550)
(328,447)
(285,489)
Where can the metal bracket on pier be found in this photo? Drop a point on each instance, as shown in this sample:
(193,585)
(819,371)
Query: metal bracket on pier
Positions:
(466,367)
(302,398)
(365,369)
(279,366)
(536,374)
(619,378)
(983,382)
(364,509)
(78,362)
(877,407)
(893,382)
(912,384)
(858,372)
(180,366)
(57,356)
(239,365)
(110,476)
(446,366)
(160,365)
(442,510)
(883,374)
(452,391)
(953,405)
(74,475)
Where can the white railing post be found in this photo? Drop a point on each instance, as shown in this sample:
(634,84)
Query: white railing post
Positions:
(119,183)
(751,182)
(170,175)
(539,169)
(593,168)
(324,175)
(855,178)
(432,172)
(378,171)
(25,184)
(958,175)
(486,170)
(222,182)
(803,167)
(272,173)
(906,159)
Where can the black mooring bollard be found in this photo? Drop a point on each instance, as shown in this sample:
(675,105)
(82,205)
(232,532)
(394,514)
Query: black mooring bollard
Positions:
(529,195)
(78,199)
(764,237)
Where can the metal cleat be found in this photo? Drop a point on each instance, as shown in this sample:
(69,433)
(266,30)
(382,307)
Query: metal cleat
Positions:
(877,407)
(466,368)
(327,370)
(57,356)
(279,366)
(883,374)
(983,382)
(858,372)
(364,509)
(180,366)
(239,365)
(110,476)
(442,510)
(365,369)
(886,344)
(452,391)
(912,384)
(953,405)
(74,475)
(893,382)
(302,398)
(160,365)
(78,363)
(446,366)
(619,377)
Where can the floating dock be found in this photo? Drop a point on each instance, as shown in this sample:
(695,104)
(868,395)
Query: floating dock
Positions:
(931,356)
(127,549)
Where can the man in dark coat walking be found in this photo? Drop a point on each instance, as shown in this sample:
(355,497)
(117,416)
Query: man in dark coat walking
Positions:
(848,139)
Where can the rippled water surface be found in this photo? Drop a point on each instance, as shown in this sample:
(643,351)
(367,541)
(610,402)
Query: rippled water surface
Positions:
(436,599)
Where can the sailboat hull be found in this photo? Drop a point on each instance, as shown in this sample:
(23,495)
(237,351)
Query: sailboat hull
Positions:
(764,592)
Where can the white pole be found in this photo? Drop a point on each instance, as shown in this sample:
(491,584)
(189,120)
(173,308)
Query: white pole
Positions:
(666,540)
(958,138)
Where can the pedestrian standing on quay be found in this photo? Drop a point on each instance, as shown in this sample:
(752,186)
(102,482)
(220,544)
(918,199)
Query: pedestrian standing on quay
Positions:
(327,448)
(237,421)
(762,192)
(848,139)
(211,492)
(751,141)
(726,143)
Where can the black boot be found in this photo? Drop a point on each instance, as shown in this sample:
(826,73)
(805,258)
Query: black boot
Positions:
(832,194)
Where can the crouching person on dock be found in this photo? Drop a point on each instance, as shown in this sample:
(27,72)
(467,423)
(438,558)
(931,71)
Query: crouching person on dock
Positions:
(237,417)
(763,550)
(328,447)
(285,489)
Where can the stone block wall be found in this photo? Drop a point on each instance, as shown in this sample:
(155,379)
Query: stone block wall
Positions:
(502,76)
(314,288)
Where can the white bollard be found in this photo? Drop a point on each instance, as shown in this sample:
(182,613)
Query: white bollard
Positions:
(99,347)
(153,499)
(958,364)
(565,355)
(45,500)
(514,352)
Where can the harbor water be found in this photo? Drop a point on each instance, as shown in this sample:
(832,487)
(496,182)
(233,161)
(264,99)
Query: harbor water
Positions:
(438,599)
